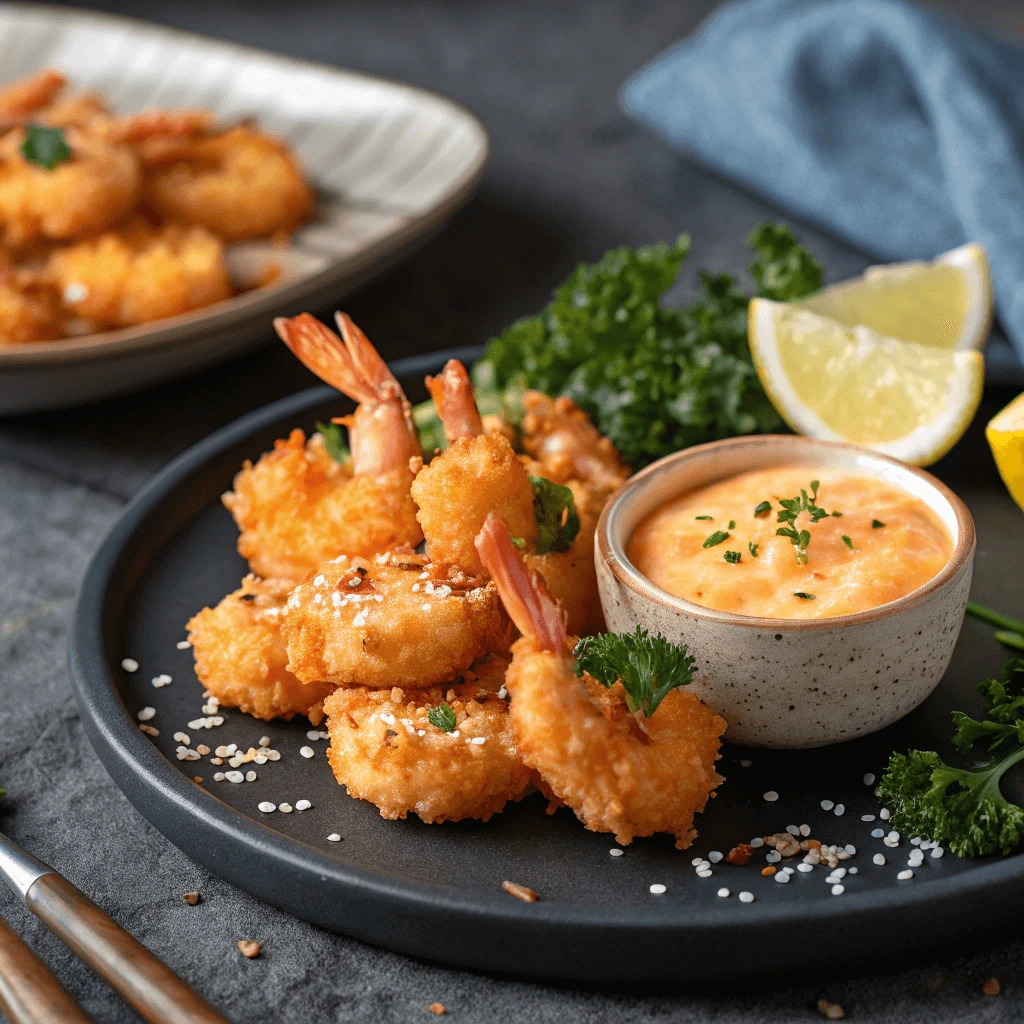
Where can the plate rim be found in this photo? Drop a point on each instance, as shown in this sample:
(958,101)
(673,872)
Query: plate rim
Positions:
(237,309)
(156,788)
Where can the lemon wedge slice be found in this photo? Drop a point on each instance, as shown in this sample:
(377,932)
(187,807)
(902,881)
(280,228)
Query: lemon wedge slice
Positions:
(946,303)
(1005,434)
(840,383)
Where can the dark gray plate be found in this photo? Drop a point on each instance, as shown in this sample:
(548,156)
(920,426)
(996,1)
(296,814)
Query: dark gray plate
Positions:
(435,890)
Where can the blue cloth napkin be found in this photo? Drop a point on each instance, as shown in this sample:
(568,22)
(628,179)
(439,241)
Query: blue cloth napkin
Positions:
(895,129)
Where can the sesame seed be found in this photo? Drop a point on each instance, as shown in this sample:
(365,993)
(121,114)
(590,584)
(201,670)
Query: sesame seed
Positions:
(905,875)
(878,859)
(426,607)
(310,752)
(723,892)
(746,897)
(704,872)
(319,581)
(851,871)
(696,862)
(203,749)
(938,852)
(838,889)
(877,833)
(146,714)
(915,840)
(182,737)
(884,814)
(183,645)
(757,842)
(251,776)
(771,796)
(805,830)
(850,849)
(869,779)
(264,741)
(827,805)
(161,680)
(805,867)
(867,817)
(216,760)
(715,856)
(658,888)
(334,838)
(302,805)
(234,776)
(839,810)
(313,734)
(782,876)
(218,776)
(129,665)
(613,852)
(774,857)
(894,836)
(273,755)
(745,762)
(478,740)
(267,807)
(148,729)
(285,808)
(793,830)
(839,872)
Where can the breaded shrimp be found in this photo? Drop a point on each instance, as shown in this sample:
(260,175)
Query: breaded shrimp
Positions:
(140,273)
(617,774)
(478,474)
(29,307)
(385,750)
(297,508)
(241,658)
(96,187)
(240,184)
(21,99)
(391,621)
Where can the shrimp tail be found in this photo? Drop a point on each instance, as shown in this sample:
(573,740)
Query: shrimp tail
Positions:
(154,125)
(21,98)
(364,357)
(452,393)
(319,349)
(524,595)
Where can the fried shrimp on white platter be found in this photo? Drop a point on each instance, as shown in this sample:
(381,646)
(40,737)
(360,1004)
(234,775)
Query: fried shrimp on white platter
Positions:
(385,749)
(619,773)
(241,658)
(297,507)
(391,621)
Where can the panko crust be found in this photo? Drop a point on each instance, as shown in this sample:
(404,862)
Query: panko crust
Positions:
(391,623)
(581,739)
(473,478)
(297,508)
(240,655)
(384,749)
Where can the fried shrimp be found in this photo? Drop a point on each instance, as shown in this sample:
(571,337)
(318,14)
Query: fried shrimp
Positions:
(617,774)
(241,658)
(24,97)
(240,184)
(478,474)
(384,749)
(29,307)
(96,187)
(391,621)
(297,507)
(140,273)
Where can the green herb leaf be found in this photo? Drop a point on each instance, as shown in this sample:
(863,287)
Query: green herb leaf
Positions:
(519,542)
(803,596)
(732,557)
(703,517)
(716,538)
(752,547)
(558,522)
(648,666)
(876,524)
(45,146)
(837,514)
(979,611)
(783,270)
(333,435)
(847,542)
(442,717)
(765,506)
(732,524)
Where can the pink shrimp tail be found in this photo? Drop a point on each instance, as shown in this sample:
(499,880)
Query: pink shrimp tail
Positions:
(452,393)
(524,595)
(364,357)
(20,98)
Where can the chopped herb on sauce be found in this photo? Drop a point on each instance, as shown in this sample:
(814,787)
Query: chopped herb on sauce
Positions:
(753,549)
(803,596)
(765,506)
(732,557)
(732,524)
(791,509)
(847,542)
(703,517)
(716,538)
(877,524)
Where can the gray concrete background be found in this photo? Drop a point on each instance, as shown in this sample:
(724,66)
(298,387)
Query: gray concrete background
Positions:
(570,177)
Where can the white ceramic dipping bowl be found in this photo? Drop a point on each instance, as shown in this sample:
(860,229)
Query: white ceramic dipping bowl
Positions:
(793,682)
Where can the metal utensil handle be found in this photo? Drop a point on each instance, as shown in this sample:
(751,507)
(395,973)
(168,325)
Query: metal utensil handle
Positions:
(147,984)
(29,992)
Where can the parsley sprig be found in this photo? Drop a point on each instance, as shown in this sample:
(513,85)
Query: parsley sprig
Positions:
(334,441)
(648,666)
(45,146)
(442,717)
(792,508)
(558,522)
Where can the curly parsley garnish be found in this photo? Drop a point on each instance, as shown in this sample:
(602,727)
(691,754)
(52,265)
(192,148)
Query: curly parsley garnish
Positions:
(45,146)
(442,717)
(877,524)
(334,441)
(716,538)
(765,506)
(752,547)
(732,557)
(647,666)
(558,522)
(791,509)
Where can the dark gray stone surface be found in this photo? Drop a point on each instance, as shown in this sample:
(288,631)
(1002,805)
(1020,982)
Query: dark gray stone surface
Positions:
(570,177)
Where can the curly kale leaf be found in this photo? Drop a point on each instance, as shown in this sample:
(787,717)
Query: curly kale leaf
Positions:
(963,809)
(558,522)
(648,666)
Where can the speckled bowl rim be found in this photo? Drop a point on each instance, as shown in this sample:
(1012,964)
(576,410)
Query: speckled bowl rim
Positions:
(611,548)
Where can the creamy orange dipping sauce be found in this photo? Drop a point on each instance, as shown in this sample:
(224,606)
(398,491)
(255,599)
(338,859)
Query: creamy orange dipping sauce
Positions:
(884,563)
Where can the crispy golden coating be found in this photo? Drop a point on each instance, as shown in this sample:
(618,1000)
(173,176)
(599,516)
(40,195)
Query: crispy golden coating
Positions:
(241,657)
(95,188)
(239,184)
(297,508)
(384,749)
(619,774)
(29,309)
(470,480)
(140,273)
(359,622)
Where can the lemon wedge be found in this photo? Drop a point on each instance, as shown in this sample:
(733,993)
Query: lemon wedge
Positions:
(1005,434)
(840,383)
(946,303)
